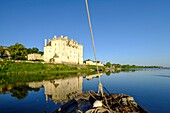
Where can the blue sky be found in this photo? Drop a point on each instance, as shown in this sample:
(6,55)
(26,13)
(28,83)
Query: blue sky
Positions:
(125,31)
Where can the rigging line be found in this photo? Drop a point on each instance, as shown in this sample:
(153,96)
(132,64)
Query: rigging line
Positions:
(94,50)
(92,36)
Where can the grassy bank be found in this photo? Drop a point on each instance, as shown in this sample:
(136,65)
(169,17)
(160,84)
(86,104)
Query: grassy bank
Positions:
(8,79)
(12,72)
(17,68)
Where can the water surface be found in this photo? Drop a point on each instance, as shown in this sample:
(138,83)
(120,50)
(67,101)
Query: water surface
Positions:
(150,89)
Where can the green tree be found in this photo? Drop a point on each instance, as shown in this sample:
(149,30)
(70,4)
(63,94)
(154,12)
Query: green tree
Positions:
(126,66)
(35,50)
(18,52)
(32,50)
(108,64)
(29,50)
(116,65)
(133,66)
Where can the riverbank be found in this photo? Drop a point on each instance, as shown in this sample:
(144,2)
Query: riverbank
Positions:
(12,72)
(38,67)
(25,68)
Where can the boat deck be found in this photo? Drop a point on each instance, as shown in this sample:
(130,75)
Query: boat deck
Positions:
(113,103)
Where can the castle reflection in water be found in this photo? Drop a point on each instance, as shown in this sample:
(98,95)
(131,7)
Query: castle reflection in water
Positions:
(60,90)
(57,90)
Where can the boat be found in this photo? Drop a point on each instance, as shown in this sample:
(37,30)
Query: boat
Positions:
(92,102)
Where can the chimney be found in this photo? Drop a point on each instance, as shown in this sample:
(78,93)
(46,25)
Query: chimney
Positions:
(45,44)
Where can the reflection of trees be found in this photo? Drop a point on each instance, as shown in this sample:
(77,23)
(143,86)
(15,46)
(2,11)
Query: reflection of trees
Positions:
(21,92)
(108,73)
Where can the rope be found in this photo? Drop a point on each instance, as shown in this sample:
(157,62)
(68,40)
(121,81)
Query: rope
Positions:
(94,50)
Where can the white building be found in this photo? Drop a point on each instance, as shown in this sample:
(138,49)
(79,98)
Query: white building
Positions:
(34,56)
(89,77)
(90,62)
(62,50)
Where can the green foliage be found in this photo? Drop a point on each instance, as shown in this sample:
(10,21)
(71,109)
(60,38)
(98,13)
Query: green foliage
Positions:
(32,50)
(126,66)
(18,52)
(24,68)
(108,73)
(94,68)
(132,67)
(116,65)
(21,78)
(20,92)
(108,64)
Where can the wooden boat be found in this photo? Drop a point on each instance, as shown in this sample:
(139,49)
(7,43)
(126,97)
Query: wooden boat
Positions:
(91,102)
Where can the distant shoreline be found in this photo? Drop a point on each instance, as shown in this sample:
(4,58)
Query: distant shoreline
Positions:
(39,67)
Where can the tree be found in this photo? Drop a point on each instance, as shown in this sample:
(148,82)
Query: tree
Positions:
(35,50)
(133,66)
(32,50)
(116,65)
(29,50)
(18,52)
(126,66)
(108,64)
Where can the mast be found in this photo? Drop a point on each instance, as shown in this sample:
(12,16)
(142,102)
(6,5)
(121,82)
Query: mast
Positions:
(100,89)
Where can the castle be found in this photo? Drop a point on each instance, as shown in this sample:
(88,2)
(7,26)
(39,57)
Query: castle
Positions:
(62,50)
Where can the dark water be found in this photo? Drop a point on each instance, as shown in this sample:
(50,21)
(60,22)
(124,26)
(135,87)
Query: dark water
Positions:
(150,88)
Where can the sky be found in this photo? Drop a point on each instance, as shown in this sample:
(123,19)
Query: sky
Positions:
(125,31)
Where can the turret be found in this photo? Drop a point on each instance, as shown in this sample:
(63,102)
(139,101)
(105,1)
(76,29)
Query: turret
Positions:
(55,36)
(45,42)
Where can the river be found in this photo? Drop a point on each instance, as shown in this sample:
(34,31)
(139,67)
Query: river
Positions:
(150,89)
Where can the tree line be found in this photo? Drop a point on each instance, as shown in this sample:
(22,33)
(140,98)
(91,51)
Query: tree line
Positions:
(127,66)
(18,51)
